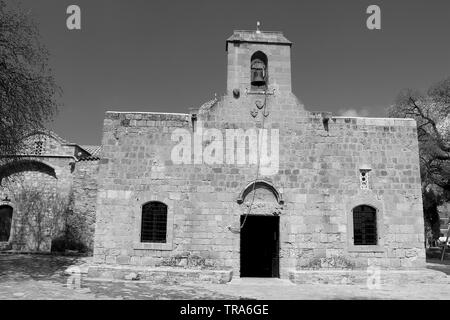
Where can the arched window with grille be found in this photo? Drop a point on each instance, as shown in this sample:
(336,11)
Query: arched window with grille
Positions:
(365,225)
(154,222)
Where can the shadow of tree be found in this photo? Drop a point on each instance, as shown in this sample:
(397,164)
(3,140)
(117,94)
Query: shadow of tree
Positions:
(438,265)
(42,217)
(19,267)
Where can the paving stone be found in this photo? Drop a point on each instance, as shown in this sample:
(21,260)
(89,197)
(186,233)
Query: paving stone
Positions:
(38,277)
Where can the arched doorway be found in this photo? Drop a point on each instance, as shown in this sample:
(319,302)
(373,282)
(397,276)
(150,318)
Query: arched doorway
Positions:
(261,205)
(6,213)
(260,246)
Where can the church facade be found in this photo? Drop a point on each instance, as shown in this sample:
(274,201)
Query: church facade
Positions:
(252,182)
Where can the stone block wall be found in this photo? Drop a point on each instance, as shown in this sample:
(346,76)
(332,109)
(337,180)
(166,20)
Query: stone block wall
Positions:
(318,173)
(85,186)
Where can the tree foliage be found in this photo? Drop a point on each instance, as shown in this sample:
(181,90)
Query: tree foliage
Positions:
(432,114)
(27,87)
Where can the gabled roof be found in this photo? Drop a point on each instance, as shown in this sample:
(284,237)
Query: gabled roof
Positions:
(47,133)
(92,151)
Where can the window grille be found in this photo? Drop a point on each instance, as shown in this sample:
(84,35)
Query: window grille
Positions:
(38,147)
(364,225)
(364,178)
(154,222)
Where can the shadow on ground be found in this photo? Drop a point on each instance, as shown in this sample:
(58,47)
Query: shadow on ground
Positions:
(32,276)
(154,291)
(434,260)
(36,267)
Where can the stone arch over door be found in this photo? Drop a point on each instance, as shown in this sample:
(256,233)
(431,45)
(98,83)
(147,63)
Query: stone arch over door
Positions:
(260,184)
(266,198)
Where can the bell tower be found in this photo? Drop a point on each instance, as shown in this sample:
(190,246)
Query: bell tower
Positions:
(258,61)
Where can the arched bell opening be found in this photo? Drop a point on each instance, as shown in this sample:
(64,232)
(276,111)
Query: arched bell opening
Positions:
(259,71)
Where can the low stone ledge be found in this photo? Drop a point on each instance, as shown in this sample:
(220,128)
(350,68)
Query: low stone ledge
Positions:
(392,122)
(113,272)
(357,276)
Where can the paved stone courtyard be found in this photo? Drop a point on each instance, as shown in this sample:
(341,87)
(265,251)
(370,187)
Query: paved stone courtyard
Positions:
(42,277)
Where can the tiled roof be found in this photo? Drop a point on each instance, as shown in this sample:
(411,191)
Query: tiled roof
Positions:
(94,152)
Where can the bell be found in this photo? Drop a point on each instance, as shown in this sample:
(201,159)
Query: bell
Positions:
(258,73)
(258,78)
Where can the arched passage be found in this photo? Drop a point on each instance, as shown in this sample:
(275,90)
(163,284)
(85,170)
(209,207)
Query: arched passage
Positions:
(19,166)
(39,207)
(6,213)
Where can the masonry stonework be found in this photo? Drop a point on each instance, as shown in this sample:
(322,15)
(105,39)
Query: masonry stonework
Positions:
(314,191)
(85,197)
(51,189)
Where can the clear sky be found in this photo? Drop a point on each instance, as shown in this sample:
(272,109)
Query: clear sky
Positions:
(142,55)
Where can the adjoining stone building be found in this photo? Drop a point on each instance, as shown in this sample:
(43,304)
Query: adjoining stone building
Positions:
(346,191)
(48,194)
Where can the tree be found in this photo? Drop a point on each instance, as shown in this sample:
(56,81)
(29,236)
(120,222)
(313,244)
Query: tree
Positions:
(432,114)
(27,87)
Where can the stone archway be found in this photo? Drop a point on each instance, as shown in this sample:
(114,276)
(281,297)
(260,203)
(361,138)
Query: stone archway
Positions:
(260,204)
(19,166)
(39,209)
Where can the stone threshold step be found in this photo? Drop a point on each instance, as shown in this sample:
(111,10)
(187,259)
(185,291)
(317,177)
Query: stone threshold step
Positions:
(140,273)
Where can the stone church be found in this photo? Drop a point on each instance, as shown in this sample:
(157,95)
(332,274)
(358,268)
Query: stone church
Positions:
(346,192)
